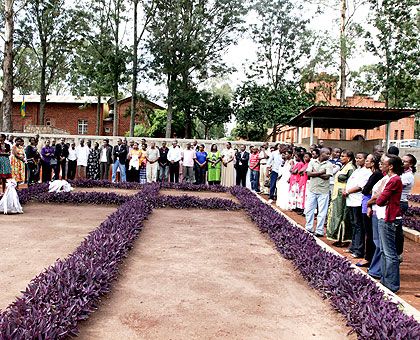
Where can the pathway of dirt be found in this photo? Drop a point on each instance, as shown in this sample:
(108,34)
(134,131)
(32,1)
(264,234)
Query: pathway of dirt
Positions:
(201,194)
(199,274)
(32,241)
(116,190)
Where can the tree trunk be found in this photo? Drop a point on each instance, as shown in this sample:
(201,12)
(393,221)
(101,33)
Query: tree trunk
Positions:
(343,54)
(98,116)
(115,122)
(7,103)
(134,81)
(170,106)
(188,123)
(43,87)
(206,132)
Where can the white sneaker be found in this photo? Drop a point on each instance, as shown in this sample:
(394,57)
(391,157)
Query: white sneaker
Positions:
(270,201)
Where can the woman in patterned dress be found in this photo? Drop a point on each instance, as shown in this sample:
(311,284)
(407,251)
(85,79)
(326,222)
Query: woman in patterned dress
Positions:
(294,183)
(303,183)
(143,164)
(17,161)
(5,168)
(214,160)
(93,162)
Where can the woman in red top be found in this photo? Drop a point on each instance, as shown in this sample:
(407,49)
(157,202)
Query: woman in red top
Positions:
(303,182)
(389,220)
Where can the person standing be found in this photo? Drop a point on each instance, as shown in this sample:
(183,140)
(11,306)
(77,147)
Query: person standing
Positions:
(283,185)
(47,153)
(5,168)
(319,171)
(339,227)
(61,152)
(134,165)
(214,159)
(242,159)
(105,156)
(228,172)
(17,161)
(389,218)
(188,157)
(119,154)
(353,195)
(33,159)
(200,165)
(82,152)
(274,164)
(55,167)
(294,183)
(93,162)
(163,163)
(128,173)
(152,157)
(336,162)
(254,167)
(174,157)
(264,156)
(71,173)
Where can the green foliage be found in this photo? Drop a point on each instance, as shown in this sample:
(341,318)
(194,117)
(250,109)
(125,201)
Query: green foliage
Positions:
(397,75)
(260,106)
(140,130)
(249,132)
(157,124)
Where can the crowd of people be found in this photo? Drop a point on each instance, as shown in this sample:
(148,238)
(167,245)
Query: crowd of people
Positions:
(360,198)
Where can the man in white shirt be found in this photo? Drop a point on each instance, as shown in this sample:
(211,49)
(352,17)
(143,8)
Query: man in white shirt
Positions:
(353,195)
(82,152)
(72,158)
(174,157)
(264,156)
(188,156)
(152,156)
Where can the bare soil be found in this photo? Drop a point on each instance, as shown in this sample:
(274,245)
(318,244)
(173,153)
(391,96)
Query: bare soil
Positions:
(196,274)
(201,194)
(116,190)
(32,241)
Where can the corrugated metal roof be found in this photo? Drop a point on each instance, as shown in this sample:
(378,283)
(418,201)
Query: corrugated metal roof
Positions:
(59,99)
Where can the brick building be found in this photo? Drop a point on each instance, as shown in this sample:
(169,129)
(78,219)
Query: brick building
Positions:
(401,129)
(76,115)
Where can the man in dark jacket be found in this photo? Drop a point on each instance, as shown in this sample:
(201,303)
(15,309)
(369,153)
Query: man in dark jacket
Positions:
(119,155)
(105,159)
(61,153)
(242,158)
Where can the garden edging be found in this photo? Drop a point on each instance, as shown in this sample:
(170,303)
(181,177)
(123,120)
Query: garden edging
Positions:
(412,234)
(408,309)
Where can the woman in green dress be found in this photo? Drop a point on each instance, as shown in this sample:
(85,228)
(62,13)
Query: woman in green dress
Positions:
(214,159)
(339,227)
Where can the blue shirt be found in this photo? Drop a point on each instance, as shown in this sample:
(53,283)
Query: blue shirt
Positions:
(276,160)
(201,156)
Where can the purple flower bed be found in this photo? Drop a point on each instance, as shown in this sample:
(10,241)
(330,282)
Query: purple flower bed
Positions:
(414,198)
(83,197)
(65,293)
(91,183)
(194,187)
(365,307)
(411,223)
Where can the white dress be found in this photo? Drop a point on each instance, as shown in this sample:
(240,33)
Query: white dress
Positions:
(283,186)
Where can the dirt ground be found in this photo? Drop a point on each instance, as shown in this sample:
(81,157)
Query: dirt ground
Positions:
(116,190)
(409,268)
(188,277)
(201,194)
(32,241)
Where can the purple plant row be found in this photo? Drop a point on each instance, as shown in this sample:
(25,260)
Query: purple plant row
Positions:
(65,293)
(186,201)
(414,198)
(365,307)
(91,183)
(411,223)
(194,187)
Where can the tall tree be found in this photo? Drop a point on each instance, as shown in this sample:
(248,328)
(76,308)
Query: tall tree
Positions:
(50,30)
(397,74)
(187,39)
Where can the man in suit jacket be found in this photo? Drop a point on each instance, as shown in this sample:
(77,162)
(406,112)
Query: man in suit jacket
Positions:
(120,155)
(242,158)
(61,153)
(105,159)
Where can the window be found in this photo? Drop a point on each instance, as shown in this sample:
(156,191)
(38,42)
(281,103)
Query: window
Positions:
(47,122)
(402,134)
(82,127)
(343,134)
(396,134)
